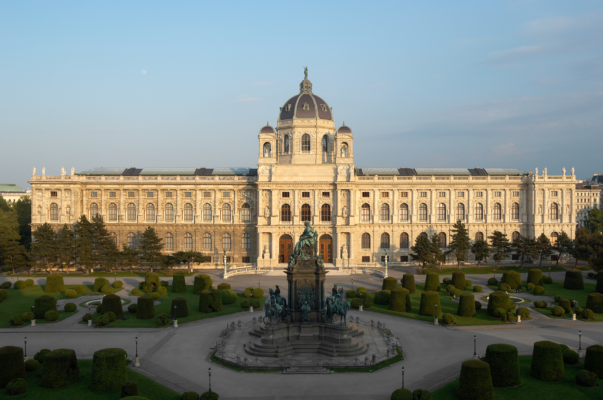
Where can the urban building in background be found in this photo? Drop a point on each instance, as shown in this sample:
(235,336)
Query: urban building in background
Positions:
(12,193)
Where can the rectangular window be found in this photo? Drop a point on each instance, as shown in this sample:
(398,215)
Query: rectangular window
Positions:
(515,257)
(246,259)
(188,194)
(366,259)
(554,193)
(497,194)
(403,194)
(131,194)
(384,194)
(112,194)
(225,194)
(460,194)
(366,194)
(479,194)
(404,259)
(326,194)
(442,194)
(168,194)
(206,194)
(515,194)
(305,194)
(149,194)
(53,194)
(207,259)
(285,194)
(93,194)
(422,194)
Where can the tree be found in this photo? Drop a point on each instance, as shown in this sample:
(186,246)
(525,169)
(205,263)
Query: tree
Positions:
(460,243)
(436,251)
(563,246)
(525,248)
(129,256)
(105,249)
(43,247)
(168,262)
(12,253)
(189,257)
(422,251)
(481,251)
(500,246)
(23,209)
(4,206)
(581,249)
(150,248)
(84,251)
(596,258)
(594,221)
(65,246)
(543,247)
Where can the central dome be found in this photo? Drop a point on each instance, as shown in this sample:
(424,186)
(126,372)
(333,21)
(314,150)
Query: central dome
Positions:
(306,105)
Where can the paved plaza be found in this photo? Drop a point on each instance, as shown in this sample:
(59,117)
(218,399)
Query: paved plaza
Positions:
(180,357)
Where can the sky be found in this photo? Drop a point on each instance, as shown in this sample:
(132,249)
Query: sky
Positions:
(515,84)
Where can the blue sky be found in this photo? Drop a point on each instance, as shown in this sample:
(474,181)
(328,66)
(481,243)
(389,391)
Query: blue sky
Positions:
(422,84)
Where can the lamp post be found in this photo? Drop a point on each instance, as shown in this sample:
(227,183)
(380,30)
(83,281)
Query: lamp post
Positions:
(402,377)
(175,317)
(352,284)
(25,348)
(580,344)
(136,360)
(435,316)
(90,316)
(225,265)
(115,278)
(549,271)
(259,286)
(209,380)
(385,259)
(474,347)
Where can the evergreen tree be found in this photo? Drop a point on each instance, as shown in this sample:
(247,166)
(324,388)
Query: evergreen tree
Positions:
(4,206)
(422,251)
(596,258)
(189,257)
(65,246)
(43,247)
(23,209)
(150,248)
(563,246)
(436,251)
(84,250)
(581,249)
(525,248)
(481,251)
(12,253)
(168,262)
(105,249)
(500,246)
(128,257)
(460,243)
(543,247)
(594,221)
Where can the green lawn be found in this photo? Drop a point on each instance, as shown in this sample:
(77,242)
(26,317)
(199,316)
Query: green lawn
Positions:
(193,310)
(448,306)
(147,387)
(492,270)
(531,388)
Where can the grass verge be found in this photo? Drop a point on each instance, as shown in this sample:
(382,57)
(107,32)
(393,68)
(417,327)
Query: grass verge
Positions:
(492,270)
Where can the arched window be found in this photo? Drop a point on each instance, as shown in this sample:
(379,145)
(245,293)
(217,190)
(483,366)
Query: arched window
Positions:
(554,211)
(226,241)
(554,237)
(385,240)
(479,212)
(497,212)
(131,212)
(169,241)
(246,241)
(442,239)
(206,212)
(226,213)
(267,150)
(207,241)
(169,212)
(325,213)
(286,144)
(245,213)
(305,142)
(114,238)
(365,213)
(93,210)
(442,212)
(423,212)
(344,149)
(515,211)
(188,241)
(424,234)
(479,236)
(460,212)
(366,241)
(404,241)
(285,213)
(384,212)
(325,144)
(305,213)
(131,240)
(150,212)
(514,236)
(404,212)
(188,212)
(112,212)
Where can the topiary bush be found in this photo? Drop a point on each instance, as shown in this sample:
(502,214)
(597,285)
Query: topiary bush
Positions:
(570,357)
(99,283)
(382,297)
(511,278)
(112,316)
(162,290)
(421,394)
(531,286)
(586,378)
(244,304)
(458,280)
(16,386)
(389,283)
(496,300)
(367,303)
(31,365)
(599,286)
(136,291)
(257,293)
(547,361)
(202,282)
(179,284)
(109,369)
(408,283)
(70,307)
(129,388)
(466,305)
(60,369)
(162,320)
(573,280)
(504,365)
(504,287)
(151,279)
(492,282)
(146,308)
(54,284)
(80,289)
(449,319)
(594,302)
(447,281)
(42,304)
(565,304)
(397,300)
(20,285)
(593,361)
(154,295)
(223,286)
(132,308)
(107,289)
(361,294)
(189,396)
(16,320)
(205,301)
(179,308)
(102,320)
(5,285)
(117,284)
(112,303)
(51,315)
(228,296)
(475,382)
(547,279)
(535,277)
(557,311)
(3,294)
(456,293)
(588,314)
(86,317)
(350,294)
(450,288)
(540,304)
(428,302)
(12,365)
(165,283)
(523,312)
(432,282)
(70,294)
(41,355)
(477,289)
(468,283)
(478,306)
(401,394)
(538,290)
(247,293)
(216,301)
(356,302)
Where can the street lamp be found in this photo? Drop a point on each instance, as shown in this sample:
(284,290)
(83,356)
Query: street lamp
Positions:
(435,316)
(209,380)
(580,344)
(259,286)
(385,259)
(25,348)
(402,377)
(352,284)
(136,361)
(549,271)
(474,347)
(115,278)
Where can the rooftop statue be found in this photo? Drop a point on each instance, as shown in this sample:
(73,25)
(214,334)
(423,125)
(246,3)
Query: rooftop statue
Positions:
(306,72)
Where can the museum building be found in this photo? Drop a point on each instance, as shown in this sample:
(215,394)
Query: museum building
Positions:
(306,172)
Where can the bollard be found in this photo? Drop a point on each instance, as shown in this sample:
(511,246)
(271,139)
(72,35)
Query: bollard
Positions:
(435,321)
(360,308)
(89,322)
(175,323)
(518,318)
(574,317)
(33,322)
(136,362)
(251,309)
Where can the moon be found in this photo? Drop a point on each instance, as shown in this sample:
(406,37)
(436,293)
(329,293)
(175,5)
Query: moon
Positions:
(144,72)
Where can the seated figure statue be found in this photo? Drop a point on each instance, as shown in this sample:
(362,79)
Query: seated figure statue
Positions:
(308,238)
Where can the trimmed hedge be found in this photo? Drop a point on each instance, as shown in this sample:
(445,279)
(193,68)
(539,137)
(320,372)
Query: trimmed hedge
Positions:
(557,311)
(42,304)
(588,314)
(547,280)
(54,284)
(368,303)
(146,308)
(477,289)
(573,280)
(408,283)
(523,312)
(245,304)
(458,280)
(107,289)
(41,355)
(60,369)
(99,283)
(586,378)
(535,277)
(478,306)
(179,284)
(12,365)
(4,293)
(492,282)
(257,293)
(109,369)
(155,295)
(538,290)
(389,283)
(428,301)
(209,396)
(401,394)
(112,303)
(570,357)
(20,285)
(448,319)
(162,319)
(466,305)
(593,361)
(189,396)
(475,382)
(228,296)
(31,365)
(397,300)
(223,286)
(210,301)
(70,307)
(80,289)
(382,297)
(117,284)
(421,394)
(16,386)
(216,302)
(162,290)
(202,282)
(16,320)
(70,294)
(179,308)
(151,280)
(356,302)
(511,278)
(565,304)
(504,365)
(129,388)
(432,282)
(132,308)
(247,293)
(599,287)
(496,300)
(350,294)
(547,361)
(5,285)
(594,302)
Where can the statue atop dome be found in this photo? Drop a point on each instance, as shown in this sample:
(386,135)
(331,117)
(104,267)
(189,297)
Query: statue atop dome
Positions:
(305,72)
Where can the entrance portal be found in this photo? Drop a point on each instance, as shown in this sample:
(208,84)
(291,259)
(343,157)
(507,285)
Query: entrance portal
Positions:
(326,248)
(285,248)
